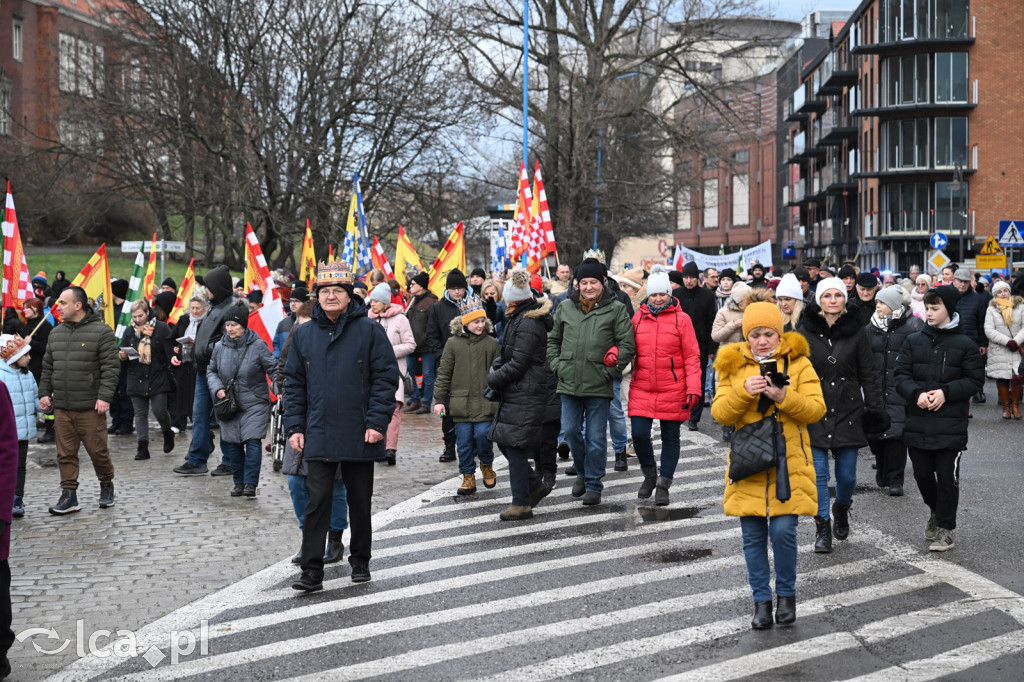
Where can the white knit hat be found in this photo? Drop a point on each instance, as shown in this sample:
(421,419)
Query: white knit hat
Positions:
(382,293)
(829,283)
(790,287)
(517,288)
(657,281)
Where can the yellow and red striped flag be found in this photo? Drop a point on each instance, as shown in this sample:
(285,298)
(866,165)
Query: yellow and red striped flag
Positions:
(451,256)
(307,264)
(380,259)
(407,261)
(257,274)
(521,227)
(148,281)
(188,284)
(95,279)
(16,286)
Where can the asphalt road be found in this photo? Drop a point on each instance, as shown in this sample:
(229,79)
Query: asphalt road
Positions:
(626,591)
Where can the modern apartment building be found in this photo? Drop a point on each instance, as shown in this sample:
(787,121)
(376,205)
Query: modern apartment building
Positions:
(909,123)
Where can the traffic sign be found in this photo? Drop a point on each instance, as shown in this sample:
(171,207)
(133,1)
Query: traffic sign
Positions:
(938,240)
(161,247)
(990,262)
(991,248)
(1010,232)
(938,261)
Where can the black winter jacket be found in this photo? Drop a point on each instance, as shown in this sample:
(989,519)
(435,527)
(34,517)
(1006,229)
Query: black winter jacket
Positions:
(972,316)
(418,313)
(841,355)
(886,346)
(524,378)
(81,364)
(699,304)
(439,326)
(154,378)
(945,359)
(341,380)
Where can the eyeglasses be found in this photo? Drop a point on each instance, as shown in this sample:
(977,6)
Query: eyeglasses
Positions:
(328,293)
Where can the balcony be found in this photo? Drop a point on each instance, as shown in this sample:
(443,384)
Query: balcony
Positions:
(835,76)
(837,127)
(792,108)
(922,29)
(799,193)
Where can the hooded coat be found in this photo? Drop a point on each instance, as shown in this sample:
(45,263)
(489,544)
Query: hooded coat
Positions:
(728,325)
(842,358)
(250,385)
(1002,363)
(803,405)
(154,378)
(524,379)
(945,359)
(439,321)
(972,307)
(24,396)
(886,346)
(341,380)
(666,367)
(81,364)
(396,325)
(418,314)
(462,375)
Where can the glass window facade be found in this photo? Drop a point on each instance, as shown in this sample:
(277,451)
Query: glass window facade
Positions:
(950,141)
(951,76)
(901,20)
(922,207)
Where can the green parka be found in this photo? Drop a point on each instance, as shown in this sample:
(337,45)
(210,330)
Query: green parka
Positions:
(80,365)
(462,376)
(578,343)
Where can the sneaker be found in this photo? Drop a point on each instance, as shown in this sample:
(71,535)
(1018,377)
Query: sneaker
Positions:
(468,486)
(360,571)
(931,529)
(175,430)
(106,494)
(309,582)
(67,503)
(18,510)
(487,473)
(221,470)
(943,541)
(189,469)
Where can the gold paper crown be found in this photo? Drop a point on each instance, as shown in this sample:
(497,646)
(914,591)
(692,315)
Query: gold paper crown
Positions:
(12,348)
(595,253)
(337,272)
(470,304)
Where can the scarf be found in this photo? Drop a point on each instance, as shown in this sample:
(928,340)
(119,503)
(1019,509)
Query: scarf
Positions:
(884,322)
(1006,308)
(655,309)
(586,306)
(193,325)
(145,333)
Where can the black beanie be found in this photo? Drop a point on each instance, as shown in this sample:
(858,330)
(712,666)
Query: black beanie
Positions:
(456,280)
(169,283)
(421,278)
(867,280)
(119,288)
(478,272)
(691,270)
(218,282)
(238,314)
(728,272)
(165,301)
(949,295)
(255,296)
(300,294)
(591,268)
(676,277)
(846,271)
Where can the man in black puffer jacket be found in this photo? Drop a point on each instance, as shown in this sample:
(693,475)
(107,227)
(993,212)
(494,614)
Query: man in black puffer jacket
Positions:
(972,309)
(937,372)
(218,288)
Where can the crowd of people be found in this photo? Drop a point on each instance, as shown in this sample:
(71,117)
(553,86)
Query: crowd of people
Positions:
(533,369)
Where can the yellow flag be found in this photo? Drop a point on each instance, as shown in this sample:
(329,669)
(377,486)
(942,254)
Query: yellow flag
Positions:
(307,264)
(407,261)
(95,279)
(452,256)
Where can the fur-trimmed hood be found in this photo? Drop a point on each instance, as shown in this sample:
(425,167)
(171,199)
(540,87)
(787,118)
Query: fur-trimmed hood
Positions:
(814,322)
(732,357)
(458,330)
(544,306)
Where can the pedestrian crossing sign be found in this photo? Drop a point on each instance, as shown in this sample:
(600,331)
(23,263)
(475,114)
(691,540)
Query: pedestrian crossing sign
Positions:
(1010,232)
(991,247)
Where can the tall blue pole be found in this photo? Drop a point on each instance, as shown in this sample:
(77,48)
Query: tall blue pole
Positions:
(597,189)
(526,78)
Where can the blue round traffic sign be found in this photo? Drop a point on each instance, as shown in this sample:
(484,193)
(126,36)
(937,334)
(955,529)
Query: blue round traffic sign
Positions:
(938,240)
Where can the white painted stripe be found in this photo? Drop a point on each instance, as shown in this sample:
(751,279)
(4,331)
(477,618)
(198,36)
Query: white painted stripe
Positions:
(225,628)
(631,649)
(950,662)
(448,652)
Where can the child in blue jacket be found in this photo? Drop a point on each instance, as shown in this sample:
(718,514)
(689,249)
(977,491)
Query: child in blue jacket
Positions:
(25,397)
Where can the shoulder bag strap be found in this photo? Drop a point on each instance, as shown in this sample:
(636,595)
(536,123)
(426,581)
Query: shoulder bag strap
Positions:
(240,361)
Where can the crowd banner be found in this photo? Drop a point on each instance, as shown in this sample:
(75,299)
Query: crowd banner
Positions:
(762,253)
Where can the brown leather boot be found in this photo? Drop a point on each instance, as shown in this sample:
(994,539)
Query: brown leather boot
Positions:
(1004,398)
(1015,400)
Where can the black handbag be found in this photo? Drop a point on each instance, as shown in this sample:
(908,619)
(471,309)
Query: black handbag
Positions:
(760,446)
(227,408)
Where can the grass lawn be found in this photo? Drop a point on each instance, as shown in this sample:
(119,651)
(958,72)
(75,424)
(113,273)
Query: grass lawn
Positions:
(72,259)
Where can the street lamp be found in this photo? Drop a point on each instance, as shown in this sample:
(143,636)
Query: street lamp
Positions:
(956,186)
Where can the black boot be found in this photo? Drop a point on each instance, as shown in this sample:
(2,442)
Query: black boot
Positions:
(335,548)
(168,440)
(48,435)
(762,619)
(661,491)
(620,461)
(449,454)
(822,536)
(785,612)
(841,520)
(389,457)
(143,451)
(650,480)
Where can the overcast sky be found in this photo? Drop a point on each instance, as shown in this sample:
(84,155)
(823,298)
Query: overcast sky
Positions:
(796,10)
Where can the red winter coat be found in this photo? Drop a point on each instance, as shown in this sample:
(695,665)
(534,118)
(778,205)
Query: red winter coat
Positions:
(667,364)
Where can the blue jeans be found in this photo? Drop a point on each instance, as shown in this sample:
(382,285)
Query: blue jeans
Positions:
(472,441)
(300,498)
(645,448)
(782,530)
(846,476)
(589,455)
(244,459)
(617,420)
(202,412)
(424,363)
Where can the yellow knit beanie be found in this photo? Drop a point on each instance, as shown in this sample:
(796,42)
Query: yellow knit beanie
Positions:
(762,314)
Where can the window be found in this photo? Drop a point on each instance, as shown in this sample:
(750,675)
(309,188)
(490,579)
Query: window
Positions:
(16,38)
(951,77)
(905,80)
(741,199)
(905,207)
(66,78)
(742,156)
(906,144)
(683,213)
(711,162)
(950,142)
(711,204)
(951,18)
(81,66)
(951,208)
(6,117)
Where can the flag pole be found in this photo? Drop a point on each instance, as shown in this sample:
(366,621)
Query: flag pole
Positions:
(526,76)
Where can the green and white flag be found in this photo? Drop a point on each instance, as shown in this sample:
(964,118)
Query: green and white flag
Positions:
(741,266)
(134,294)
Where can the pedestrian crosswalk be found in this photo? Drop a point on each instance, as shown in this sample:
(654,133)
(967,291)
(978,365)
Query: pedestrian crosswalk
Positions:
(622,590)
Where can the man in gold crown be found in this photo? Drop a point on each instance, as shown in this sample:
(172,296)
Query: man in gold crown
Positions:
(342,377)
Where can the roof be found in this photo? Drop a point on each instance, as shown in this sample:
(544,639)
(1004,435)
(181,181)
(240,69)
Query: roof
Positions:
(837,26)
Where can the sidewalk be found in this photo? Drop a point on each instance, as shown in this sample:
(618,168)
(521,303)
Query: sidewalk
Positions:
(168,541)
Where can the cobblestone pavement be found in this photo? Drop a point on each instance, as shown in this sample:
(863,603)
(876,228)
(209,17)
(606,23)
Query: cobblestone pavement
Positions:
(168,541)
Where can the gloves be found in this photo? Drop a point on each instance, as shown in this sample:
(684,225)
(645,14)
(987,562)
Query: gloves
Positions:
(1012,345)
(611,358)
(693,399)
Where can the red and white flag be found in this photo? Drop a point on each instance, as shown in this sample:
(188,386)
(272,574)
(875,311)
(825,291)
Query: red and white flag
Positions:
(264,320)
(257,274)
(16,286)
(380,259)
(540,203)
(521,228)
